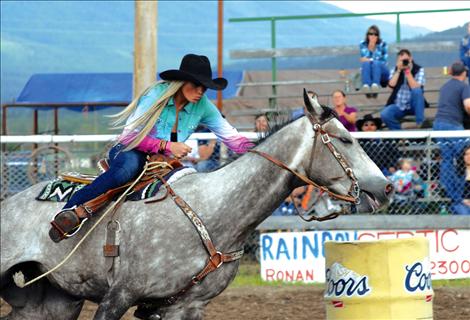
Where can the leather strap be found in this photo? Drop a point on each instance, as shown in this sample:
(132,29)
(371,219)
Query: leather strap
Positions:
(216,258)
(281,164)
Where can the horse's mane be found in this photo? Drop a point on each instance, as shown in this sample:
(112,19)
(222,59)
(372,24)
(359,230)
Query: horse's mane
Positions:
(279,120)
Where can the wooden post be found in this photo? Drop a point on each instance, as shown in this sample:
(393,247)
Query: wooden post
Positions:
(56,132)
(220,46)
(4,170)
(145,45)
(35,145)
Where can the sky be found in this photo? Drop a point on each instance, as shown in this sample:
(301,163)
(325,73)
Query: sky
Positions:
(432,21)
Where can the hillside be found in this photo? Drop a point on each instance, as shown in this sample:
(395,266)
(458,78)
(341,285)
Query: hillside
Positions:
(80,36)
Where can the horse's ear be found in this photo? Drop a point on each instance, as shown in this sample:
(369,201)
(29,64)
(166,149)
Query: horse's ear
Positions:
(312,105)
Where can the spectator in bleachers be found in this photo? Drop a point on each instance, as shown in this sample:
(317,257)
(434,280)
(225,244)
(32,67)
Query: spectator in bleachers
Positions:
(261,123)
(463,208)
(407,81)
(209,153)
(454,101)
(384,153)
(465,49)
(374,54)
(287,208)
(347,115)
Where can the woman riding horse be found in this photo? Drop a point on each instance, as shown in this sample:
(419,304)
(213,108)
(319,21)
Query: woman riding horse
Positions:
(158,121)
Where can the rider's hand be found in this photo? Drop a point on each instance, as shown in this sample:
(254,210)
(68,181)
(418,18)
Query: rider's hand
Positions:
(179,149)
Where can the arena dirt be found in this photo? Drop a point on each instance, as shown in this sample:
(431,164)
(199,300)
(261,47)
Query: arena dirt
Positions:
(296,302)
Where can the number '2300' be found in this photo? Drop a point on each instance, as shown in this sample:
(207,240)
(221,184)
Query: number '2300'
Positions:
(444,266)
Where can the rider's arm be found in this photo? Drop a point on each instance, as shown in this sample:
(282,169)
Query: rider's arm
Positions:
(152,145)
(213,119)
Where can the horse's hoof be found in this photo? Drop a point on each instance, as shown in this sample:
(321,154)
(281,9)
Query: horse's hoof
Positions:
(65,222)
(146,313)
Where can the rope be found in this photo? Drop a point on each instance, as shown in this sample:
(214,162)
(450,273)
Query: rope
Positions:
(18,277)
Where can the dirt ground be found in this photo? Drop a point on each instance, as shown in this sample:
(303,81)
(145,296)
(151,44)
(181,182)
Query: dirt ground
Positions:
(296,302)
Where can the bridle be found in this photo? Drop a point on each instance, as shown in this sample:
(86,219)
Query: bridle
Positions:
(325,137)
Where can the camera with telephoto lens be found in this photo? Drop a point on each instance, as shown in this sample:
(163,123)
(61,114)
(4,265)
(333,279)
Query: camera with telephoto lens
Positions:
(405,62)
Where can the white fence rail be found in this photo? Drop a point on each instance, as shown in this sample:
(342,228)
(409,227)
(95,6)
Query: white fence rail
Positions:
(30,159)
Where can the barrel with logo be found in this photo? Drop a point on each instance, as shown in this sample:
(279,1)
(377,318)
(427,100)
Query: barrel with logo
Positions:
(384,279)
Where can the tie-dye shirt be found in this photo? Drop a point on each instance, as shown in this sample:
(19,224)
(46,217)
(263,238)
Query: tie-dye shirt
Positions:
(202,112)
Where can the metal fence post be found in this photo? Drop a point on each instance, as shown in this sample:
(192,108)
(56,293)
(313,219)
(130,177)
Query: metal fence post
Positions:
(398,28)
(273,100)
(429,158)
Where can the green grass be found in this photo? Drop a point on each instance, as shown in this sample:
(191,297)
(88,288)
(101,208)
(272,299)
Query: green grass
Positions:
(451,283)
(249,276)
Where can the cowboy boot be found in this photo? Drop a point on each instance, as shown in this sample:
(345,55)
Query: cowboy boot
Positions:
(65,224)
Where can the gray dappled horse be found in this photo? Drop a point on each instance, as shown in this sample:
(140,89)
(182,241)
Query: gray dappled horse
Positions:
(160,251)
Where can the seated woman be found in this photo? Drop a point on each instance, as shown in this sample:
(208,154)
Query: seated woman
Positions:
(347,115)
(374,54)
(158,121)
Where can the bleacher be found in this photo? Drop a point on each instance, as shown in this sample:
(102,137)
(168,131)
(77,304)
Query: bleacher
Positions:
(255,93)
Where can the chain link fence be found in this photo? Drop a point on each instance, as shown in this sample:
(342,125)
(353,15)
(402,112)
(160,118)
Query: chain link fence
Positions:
(428,173)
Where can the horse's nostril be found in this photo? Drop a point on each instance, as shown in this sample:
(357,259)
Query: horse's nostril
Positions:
(388,189)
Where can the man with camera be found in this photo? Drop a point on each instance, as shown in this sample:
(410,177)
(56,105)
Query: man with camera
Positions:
(407,81)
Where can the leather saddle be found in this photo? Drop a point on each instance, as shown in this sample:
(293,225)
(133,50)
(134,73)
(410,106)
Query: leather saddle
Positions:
(68,221)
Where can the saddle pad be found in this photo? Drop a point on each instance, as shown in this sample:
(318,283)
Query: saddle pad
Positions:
(60,190)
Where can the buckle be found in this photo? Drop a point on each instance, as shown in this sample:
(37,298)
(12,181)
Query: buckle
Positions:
(217,254)
(87,210)
(325,138)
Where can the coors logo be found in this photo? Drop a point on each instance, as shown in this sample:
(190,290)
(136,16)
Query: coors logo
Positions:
(341,281)
(418,277)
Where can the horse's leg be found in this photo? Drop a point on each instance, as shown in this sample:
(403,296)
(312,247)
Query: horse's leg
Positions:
(40,301)
(114,304)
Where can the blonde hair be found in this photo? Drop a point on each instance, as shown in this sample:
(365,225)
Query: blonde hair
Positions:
(145,122)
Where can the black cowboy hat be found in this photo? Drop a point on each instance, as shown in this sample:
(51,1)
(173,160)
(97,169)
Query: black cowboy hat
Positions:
(368,117)
(196,69)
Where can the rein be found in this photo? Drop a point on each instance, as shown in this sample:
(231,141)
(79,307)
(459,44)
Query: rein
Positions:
(354,190)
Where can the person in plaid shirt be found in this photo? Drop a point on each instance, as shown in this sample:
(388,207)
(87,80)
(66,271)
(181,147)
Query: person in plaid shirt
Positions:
(407,81)
(374,54)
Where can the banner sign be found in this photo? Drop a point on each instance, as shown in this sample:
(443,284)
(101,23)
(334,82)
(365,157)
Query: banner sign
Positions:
(300,256)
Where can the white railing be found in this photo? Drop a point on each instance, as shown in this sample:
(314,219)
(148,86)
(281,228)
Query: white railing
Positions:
(417,134)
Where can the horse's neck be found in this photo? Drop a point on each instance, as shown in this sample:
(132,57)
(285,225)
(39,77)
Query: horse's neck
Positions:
(254,187)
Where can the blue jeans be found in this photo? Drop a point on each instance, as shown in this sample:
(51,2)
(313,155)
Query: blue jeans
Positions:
(374,72)
(392,114)
(451,149)
(123,167)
